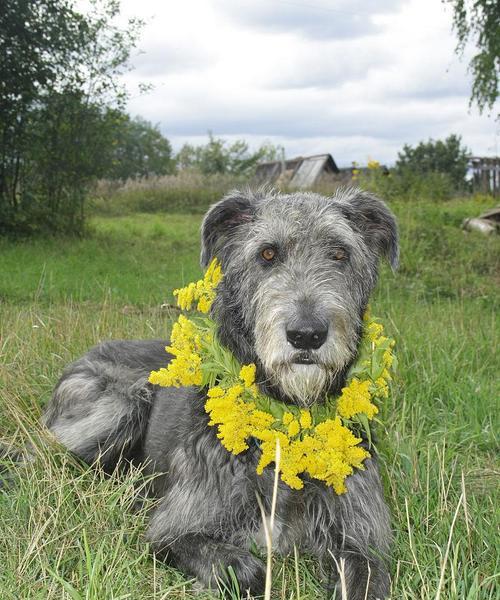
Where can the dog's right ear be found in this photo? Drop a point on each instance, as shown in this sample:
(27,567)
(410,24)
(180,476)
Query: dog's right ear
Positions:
(221,222)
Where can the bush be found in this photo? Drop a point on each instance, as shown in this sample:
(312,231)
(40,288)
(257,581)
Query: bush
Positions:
(407,185)
(446,157)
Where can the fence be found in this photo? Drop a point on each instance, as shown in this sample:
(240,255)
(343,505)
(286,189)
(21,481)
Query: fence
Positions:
(485,174)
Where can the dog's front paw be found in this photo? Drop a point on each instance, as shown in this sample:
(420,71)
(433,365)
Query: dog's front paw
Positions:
(243,570)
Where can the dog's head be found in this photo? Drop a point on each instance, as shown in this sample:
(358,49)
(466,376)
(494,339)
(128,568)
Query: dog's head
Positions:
(298,272)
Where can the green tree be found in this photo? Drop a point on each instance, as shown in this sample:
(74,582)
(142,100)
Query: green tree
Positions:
(447,157)
(58,91)
(479,21)
(139,150)
(218,156)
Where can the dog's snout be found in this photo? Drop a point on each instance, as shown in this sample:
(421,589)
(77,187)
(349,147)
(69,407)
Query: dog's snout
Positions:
(307,335)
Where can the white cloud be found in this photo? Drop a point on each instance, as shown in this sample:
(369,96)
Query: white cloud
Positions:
(273,70)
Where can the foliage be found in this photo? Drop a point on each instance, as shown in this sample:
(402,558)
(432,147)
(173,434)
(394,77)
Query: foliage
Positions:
(139,150)
(447,157)
(407,185)
(432,169)
(217,156)
(479,20)
(67,532)
(58,81)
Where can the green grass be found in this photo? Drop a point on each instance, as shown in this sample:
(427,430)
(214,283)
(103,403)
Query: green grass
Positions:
(66,532)
(134,259)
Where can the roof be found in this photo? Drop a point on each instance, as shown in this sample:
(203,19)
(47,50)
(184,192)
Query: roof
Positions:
(299,172)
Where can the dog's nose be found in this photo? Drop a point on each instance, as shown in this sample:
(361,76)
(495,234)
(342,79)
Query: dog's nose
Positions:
(307,336)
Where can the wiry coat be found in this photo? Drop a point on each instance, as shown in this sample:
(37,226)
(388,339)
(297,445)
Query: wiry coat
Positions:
(324,266)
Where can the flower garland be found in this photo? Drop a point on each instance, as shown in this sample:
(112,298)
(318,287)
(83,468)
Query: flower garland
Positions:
(321,441)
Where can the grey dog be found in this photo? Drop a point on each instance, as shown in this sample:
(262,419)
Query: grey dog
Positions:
(298,272)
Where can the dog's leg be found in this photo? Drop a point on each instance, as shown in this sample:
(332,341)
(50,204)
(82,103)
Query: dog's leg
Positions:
(212,561)
(354,577)
(100,407)
(190,530)
(353,538)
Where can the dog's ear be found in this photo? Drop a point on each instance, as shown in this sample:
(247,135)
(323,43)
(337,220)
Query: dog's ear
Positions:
(375,221)
(221,221)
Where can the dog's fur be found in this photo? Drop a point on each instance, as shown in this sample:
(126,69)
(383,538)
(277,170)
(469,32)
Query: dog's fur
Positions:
(104,410)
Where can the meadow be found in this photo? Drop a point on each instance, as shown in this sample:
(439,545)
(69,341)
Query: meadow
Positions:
(67,532)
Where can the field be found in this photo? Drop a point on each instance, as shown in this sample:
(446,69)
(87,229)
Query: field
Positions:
(66,532)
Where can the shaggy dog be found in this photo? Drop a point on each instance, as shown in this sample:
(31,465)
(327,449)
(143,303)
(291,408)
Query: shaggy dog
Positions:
(298,272)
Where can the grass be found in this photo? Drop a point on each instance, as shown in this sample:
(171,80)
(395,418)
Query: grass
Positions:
(133,259)
(66,532)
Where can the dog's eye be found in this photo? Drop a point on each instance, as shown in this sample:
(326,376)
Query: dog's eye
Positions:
(339,254)
(268,254)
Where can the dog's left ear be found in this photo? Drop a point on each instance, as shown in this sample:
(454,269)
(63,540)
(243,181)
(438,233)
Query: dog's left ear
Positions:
(376,222)
(221,222)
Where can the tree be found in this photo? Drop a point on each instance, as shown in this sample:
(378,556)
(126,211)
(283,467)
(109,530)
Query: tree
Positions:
(479,21)
(447,157)
(139,150)
(217,156)
(58,92)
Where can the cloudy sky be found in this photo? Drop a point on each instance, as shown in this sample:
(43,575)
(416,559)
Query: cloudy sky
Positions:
(356,78)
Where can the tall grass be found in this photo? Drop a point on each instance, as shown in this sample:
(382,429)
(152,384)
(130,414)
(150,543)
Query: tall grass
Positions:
(66,532)
(188,191)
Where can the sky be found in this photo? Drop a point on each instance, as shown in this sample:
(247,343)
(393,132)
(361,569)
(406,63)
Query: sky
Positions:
(355,78)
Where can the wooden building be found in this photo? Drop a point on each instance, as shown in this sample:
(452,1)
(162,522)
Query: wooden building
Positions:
(301,172)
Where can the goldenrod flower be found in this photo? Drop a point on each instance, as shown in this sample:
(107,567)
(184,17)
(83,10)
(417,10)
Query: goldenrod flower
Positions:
(325,449)
(305,419)
(355,399)
(202,291)
(293,428)
(247,375)
(185,367)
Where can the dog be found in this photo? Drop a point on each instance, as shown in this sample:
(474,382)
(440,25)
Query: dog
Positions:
(298,272)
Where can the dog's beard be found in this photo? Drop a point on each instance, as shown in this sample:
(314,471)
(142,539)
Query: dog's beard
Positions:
(303,376)
(305,384)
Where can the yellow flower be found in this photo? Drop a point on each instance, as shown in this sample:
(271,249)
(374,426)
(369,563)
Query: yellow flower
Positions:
(203,291)
(293,428)
(355,399)
(339,456)
(374,331)
(305,419)
(215,392)
(247,375)
(237,420)
(185,366)
(204,304)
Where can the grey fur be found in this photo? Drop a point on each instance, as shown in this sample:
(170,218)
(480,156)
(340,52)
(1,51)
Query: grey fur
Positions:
(104,410)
